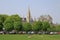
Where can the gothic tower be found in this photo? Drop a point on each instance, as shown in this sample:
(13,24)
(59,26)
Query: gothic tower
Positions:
(28,15)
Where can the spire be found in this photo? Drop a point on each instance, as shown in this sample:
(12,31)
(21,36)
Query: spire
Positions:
(28,15)
(28,11)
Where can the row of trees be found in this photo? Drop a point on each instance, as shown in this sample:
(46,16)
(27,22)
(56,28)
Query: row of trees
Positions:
(14,22)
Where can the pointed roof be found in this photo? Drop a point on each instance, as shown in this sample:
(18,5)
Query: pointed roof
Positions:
(28,12)
(28,16)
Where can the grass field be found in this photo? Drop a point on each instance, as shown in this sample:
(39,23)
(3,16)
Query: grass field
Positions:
(29,37)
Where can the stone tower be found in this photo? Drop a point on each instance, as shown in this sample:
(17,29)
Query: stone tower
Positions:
(28,15)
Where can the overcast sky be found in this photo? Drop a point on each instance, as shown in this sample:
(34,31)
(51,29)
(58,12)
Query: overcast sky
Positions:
(37,8)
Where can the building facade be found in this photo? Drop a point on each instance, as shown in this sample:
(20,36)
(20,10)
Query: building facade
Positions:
(45,18)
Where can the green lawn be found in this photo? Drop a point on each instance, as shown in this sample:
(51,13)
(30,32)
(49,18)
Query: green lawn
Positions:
(29,37)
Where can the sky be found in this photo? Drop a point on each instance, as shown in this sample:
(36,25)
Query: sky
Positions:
(37,8)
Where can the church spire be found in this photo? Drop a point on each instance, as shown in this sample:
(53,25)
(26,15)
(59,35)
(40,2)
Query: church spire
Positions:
(28,15)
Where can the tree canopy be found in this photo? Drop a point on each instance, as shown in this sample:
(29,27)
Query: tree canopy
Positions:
(27,26)
(37,26)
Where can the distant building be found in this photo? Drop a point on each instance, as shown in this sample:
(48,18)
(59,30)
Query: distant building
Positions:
(23,19)
(28,17)
(45,18)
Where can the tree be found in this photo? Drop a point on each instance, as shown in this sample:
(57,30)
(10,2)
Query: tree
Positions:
(2,19)
(50,29)
(1,22)
(17,26)
(54,28)
(16,18)
(37,26)
(8,24)
(45,26)
(57,28)
(17,22)
(27,26)
(1,26)
(13,22)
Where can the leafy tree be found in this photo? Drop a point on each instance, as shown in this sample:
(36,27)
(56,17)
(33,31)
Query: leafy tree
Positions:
(1,22)
(57,28)
(27,26)
(37,26)
(51,28)
(16,18)
(1,26)
(45,25)
(54,28)
(2,19)
(8,24)
(13,22)
(17,22)
(18,26)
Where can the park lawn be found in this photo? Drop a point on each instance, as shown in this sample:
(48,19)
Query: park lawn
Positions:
(29,37)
